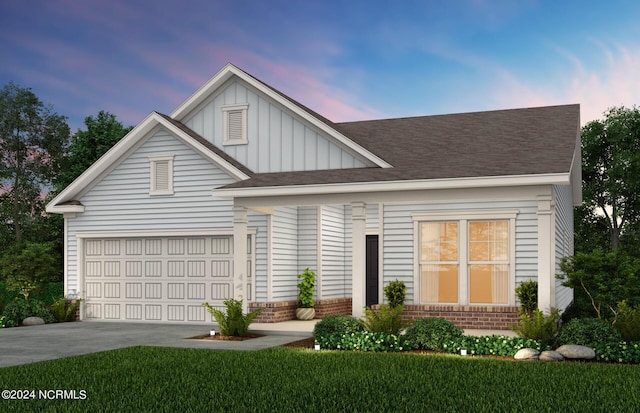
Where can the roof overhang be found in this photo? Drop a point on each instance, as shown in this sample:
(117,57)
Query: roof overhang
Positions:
(229,71)
(392,186)
(62,203)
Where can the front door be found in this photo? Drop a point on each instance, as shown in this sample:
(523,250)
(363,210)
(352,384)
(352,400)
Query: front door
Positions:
(372,270)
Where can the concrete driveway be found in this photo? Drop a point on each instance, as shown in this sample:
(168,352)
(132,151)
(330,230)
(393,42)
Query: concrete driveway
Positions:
(21,345)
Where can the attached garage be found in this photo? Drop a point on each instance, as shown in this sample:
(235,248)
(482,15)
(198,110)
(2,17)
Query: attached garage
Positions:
(164,279)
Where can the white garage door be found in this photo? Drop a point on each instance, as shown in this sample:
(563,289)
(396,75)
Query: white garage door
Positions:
(158,279)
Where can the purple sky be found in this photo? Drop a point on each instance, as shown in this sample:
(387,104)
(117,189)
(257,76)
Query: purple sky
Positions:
(347,60)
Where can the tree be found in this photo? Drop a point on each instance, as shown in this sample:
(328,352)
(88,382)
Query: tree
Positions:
(33,140)
(88,146)
(611,170)
(29,267)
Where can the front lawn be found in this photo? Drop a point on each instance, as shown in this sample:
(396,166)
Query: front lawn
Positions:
(141,379)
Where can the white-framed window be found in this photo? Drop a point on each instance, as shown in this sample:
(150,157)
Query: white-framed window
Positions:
(234,124)
(161,173)
(465,259)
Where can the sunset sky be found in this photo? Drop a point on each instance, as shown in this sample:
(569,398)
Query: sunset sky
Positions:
(347,60)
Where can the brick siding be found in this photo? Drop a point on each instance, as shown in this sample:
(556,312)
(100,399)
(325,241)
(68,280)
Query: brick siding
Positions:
(278,311)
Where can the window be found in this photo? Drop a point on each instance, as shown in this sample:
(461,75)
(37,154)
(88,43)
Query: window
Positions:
(235,124)
(161,172)
(465,261)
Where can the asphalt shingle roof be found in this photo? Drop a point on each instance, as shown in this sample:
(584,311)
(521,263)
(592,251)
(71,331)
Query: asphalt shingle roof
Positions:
(510,142)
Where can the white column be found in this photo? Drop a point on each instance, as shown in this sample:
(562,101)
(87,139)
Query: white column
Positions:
(240,253)
(358,259)
(546,246)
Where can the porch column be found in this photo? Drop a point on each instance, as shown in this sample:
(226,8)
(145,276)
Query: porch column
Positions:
(240,253)
(358,259)
(546,256)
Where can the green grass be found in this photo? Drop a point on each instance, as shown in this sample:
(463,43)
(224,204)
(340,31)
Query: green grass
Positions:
(142,379)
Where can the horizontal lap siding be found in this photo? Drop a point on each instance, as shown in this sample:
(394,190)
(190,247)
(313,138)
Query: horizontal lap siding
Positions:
(278,141)
(398,239)
(285,253)
(308,238)
(333,251)
(564,239)
(121,201)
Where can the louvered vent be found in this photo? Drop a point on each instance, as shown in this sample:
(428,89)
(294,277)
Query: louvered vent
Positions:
(235,120)
(162,176)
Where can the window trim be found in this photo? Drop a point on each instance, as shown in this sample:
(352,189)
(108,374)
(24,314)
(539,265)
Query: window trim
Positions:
(153,164)
(463,219)
(226,112)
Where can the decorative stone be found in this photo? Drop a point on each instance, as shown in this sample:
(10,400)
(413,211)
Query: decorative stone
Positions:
(574,351)
(32,321)
(551,355)
(527,354)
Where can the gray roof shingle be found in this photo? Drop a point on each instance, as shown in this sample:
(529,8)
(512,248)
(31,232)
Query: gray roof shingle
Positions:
(529,141)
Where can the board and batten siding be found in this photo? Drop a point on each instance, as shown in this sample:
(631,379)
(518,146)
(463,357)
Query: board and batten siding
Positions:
(284,238)
(121,201)
(277,140)
(398,240)
(563,196)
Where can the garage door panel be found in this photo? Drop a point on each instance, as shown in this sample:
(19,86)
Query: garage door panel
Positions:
(158,279)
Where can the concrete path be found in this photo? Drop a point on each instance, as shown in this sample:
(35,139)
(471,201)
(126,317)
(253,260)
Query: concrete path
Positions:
(21,345)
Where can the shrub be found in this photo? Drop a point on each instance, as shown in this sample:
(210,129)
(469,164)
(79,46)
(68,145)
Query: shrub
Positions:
(62,310)
(628,321)
(496,345)
(580,307)
(363,341)
(306,286)
(587,332)
(527,293)
(234,322)
(431,333)
(618,352)
(21,308)
(606,277)
(538,326)
(387,320)
(395,292)
(336,324)
(29,268)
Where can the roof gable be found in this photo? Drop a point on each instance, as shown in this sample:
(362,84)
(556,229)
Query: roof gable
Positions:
(66,200)
(187,109)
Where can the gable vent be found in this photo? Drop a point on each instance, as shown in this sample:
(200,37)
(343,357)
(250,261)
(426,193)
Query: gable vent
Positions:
(161,169)
(162,176)
(235,124)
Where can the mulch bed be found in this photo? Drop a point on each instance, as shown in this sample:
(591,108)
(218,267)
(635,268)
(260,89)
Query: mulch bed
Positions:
(305,343)
(218,337)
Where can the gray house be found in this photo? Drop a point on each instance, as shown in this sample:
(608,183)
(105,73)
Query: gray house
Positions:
(240,188)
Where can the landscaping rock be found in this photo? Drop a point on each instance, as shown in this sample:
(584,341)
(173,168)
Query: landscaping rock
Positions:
(551,356)
(32,321)
(574,351)
(527,354)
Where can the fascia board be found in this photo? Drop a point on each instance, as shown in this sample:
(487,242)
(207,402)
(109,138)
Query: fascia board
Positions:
(122,148)
(106,160)
(63,209)
(229,70)
(391,186)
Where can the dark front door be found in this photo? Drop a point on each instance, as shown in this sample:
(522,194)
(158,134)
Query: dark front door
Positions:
(372,270)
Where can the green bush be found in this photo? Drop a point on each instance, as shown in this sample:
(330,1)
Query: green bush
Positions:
(527,293)
(496,345)
(628,321)
(48,295)
(336,324)
(234,322)
(588,332)
(538,326)
(362,341)
(580,307)
(19,308)
(62,310)
(618,352)
(306,287)
(29,268)
(431,333)
(396,293)
(387,320)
